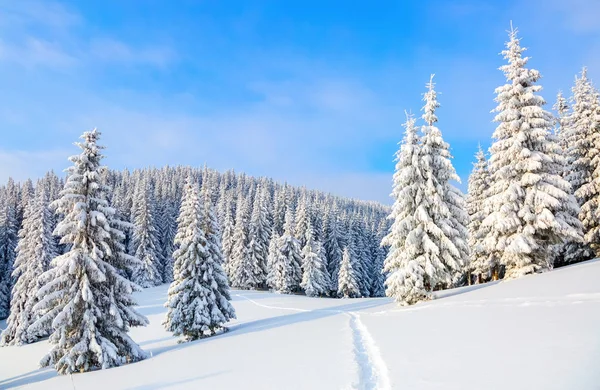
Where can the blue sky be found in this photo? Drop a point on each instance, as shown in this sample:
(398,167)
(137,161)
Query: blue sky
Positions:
(312,92)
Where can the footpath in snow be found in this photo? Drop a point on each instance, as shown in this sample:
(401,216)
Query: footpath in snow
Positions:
(538,332)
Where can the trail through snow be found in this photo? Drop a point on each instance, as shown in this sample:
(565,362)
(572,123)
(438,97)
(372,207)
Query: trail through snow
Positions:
(372,372)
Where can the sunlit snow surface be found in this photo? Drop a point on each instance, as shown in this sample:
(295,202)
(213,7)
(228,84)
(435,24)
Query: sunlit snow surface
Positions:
(538,332)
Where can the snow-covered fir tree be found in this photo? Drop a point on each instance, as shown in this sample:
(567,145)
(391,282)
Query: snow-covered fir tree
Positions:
(406,265)
(35,250)
(482,262)
(531,204)
(348,286)
(198,299)
(242,268)
(273,275)
(583,140)
(167,236)
(228,228)
(378,253)
(260,236)
(446,234)
(145,242)
(287,264)
(84,297)
(359,252)
(303,220)
(9,232)
(333,244)
(315,278)
(570,251)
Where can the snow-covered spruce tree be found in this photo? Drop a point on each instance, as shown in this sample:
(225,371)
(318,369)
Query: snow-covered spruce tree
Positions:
(9,232)
(359,252)
(333,245)
(260,235)
(83,296)
(482,262)
(228,228)
(531,204)
(167,236)
(273,274)
(407,269)
(315,278)
(35,250)
(242,268)
(442,208)
(347,279)
(287,265)
(145,239)
(198,299)
(378,254)
(584,154)
(303,219)
(570,251)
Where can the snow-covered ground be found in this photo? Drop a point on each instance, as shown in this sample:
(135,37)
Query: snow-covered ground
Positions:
(538,332)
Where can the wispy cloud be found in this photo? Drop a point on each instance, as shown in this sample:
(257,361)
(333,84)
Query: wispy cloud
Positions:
(114,51)
(45,33)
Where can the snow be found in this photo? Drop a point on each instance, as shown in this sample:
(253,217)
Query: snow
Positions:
(536,332)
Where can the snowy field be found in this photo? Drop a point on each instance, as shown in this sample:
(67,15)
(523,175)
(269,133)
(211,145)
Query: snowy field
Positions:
(538,332)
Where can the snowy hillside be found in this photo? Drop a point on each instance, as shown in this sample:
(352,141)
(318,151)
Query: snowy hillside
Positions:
(538,332)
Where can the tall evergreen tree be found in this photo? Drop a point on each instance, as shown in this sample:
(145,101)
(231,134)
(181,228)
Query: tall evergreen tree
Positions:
(198,302)
(83,293)
(531,205)
(409,272)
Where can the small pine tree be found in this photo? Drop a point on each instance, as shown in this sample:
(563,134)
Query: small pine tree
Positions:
(287,266)
(145,239)
(227,236)
(167,236)
(9,232)
(333,245)
(347,279)
(272,270)
(198,301)
(260,233)
(482,262)
(315,279)
(242,269)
